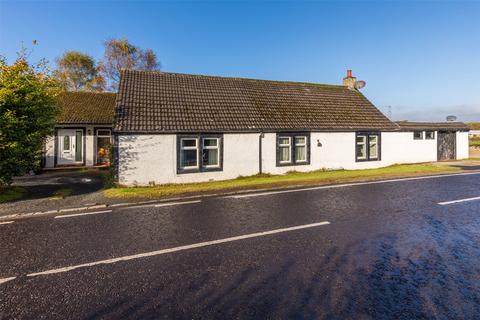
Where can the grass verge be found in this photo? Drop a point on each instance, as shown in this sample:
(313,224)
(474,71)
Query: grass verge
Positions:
(61,194)
(289,179)
(9,194)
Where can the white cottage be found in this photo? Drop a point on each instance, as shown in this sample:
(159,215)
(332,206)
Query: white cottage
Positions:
(181,128)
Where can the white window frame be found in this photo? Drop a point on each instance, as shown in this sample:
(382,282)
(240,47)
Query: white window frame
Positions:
(217,147)
(304,144)
(377,147)
(182,148)
(365,138)
(289,145)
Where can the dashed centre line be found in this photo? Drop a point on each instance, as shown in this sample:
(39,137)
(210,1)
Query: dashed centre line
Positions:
(172,250)
(81,214)
(458,201)
(175,203)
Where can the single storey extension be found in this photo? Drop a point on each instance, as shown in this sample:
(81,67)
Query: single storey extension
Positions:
(83,131)
(180,128)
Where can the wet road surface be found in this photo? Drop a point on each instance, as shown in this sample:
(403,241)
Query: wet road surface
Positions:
(398,250)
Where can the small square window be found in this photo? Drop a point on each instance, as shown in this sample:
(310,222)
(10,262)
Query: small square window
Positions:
(293,149)
(199,153)
(429,135)
(367,146)
(418,135)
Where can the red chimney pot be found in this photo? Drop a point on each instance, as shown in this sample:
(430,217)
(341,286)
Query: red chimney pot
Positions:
(349,73)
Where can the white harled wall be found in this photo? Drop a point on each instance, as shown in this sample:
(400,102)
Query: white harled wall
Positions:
(462,145)
(146,159)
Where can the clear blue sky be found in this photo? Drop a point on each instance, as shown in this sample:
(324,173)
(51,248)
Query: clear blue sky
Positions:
(420,58)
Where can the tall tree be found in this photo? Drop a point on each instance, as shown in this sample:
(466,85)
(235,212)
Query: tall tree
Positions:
(77,71)
(121,54)
(27,112)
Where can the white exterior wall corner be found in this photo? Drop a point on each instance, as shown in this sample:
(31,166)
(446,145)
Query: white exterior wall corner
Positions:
(145,159)
(462,145)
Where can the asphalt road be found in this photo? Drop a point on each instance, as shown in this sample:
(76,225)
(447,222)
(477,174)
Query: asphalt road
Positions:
(395,250)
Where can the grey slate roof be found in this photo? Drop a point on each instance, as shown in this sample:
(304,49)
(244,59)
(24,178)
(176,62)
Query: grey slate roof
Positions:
(454,126)
(86,108)
(161,102)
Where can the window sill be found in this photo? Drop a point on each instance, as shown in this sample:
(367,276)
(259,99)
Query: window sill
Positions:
(367,160)
(291,164)
(197,170)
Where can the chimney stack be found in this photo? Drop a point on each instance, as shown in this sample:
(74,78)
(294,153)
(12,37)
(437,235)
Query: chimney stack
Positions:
(349,80)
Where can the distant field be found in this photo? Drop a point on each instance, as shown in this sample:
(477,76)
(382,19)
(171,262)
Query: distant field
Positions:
(474,125)
(475,142)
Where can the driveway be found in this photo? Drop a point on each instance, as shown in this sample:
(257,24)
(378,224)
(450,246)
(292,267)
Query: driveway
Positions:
(44,192)
(378,250)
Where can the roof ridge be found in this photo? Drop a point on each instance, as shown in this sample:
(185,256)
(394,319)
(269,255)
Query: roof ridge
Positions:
(225,77)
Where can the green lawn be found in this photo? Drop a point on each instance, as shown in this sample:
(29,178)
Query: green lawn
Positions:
(475,142)
(290,179)
(8,194)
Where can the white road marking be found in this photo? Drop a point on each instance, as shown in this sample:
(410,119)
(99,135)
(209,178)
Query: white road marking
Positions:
(240,196)
(458,201)
(7,279)
(158,205)
(176,203)
(6,222)
(81,214)
(176,249)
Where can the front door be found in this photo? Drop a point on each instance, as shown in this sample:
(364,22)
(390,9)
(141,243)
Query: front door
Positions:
(70,147)
(446,142)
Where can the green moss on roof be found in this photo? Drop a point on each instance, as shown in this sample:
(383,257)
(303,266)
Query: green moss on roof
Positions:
(86,108)
(150,101)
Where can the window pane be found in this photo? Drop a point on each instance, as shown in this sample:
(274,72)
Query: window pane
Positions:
(299,140)
(418,135)
(373,144)
(189,142)
(188,158)
(66,143)
(361,147)
(284,154)
(209,142)
(284,141)
(103,132)
(429,135)
(300,154)
(210,157)
(103,149)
